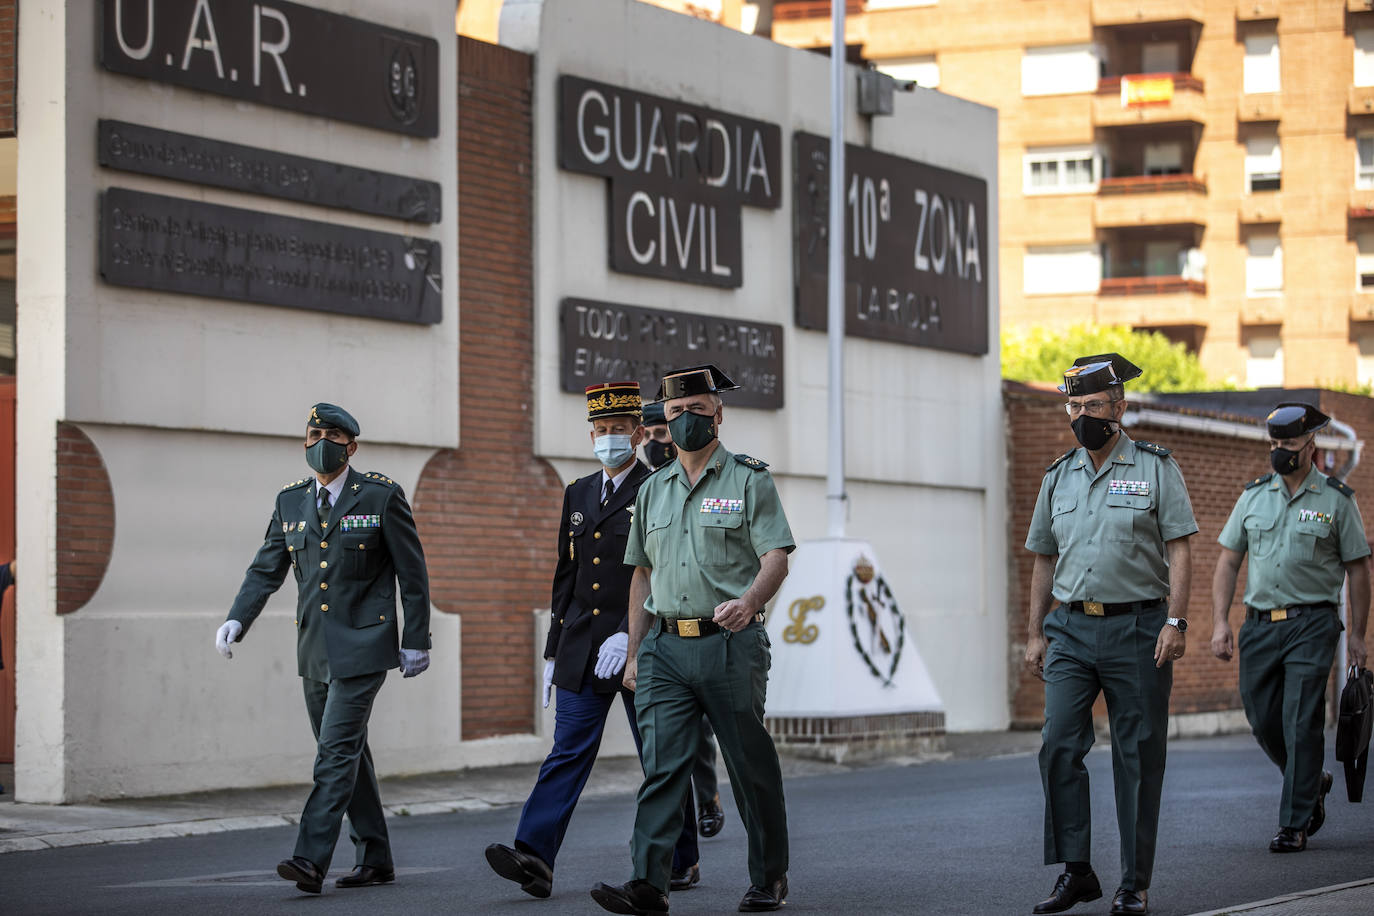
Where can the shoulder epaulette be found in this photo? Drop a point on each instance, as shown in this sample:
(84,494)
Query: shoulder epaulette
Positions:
(295,483)
(753,464)
(1153,449)
(379,478)
(1340,486)
(1060,460)
(1259,481)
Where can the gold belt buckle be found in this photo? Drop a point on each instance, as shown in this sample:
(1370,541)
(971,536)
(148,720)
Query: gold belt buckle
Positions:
(689,627)
(1094,609)
(1278,614)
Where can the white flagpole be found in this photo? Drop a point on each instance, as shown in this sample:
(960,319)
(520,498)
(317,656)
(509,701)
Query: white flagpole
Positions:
(835,494)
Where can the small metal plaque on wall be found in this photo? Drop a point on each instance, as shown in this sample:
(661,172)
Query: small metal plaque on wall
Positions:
(184,246)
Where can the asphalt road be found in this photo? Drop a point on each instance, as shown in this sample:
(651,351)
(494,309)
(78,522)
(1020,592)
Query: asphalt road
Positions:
(957,837)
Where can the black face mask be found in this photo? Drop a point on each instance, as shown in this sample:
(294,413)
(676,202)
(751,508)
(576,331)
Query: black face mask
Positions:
(1091,432)
(692,432)
(1285,461)
(659,453)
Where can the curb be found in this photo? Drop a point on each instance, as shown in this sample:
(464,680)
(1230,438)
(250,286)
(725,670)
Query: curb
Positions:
(1288,898)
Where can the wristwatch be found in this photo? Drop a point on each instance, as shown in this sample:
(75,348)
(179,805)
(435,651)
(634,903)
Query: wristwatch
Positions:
(1180,622)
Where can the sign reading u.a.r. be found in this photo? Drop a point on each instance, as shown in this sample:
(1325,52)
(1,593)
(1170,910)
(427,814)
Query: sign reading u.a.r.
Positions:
(280,54)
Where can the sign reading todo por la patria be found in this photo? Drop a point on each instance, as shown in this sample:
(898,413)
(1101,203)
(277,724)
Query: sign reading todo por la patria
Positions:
(679,174)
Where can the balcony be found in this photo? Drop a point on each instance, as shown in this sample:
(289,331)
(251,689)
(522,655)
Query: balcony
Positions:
(1260,106)
(1256,10)
(1137,12)
(1362,203)
(1361,306)
(1261,207)
(812,9)
(1150,200)
(1152,301)
(1358,6)
(1261,310)
(1148,98)
(1361,101)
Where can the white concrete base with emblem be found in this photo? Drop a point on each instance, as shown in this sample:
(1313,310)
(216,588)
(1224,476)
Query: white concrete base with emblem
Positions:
(847,676)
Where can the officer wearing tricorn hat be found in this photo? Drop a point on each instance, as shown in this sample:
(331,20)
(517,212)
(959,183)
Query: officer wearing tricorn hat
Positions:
(586,647)
(1304,534)
(709,544)
(1109,592)
(351,541)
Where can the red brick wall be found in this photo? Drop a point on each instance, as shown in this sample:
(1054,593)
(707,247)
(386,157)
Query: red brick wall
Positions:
(488,511)
(9,30)
(1215,468)
(85,518)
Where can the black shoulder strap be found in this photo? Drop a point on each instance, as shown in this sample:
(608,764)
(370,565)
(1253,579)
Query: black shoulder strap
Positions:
(1340,486)
(1060,460)
(1259,481)
(1153,449)
(754,464)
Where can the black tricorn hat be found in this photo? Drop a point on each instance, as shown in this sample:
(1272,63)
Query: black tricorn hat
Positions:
(1091,374)
(683,383)
(328,416)
(1291,419)
(613,399)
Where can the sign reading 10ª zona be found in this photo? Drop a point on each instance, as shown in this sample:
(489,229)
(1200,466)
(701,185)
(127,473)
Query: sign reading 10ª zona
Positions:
(916,248)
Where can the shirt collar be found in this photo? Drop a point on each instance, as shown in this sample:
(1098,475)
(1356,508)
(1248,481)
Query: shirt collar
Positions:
(618,479)
(335,487)
(1122,453)
(718,459)
(1311,483)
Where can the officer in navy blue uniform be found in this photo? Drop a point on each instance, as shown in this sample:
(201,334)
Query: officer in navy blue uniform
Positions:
(587,644)
(351,541)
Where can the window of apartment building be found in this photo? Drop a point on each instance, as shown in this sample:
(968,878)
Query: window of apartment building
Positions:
(1263,161)
(1163,158)
(1263,358)
(1060,169)
(1263,265)
(1364,261)
(1159,57)
(1364,161)
(923,70)
(1261,72)
(1061,269)
(1058,69)
(1364,57)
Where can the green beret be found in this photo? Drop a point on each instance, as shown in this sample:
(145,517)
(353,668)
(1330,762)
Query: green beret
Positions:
(328,416)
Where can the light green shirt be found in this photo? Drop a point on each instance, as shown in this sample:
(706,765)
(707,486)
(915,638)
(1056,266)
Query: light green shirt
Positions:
(1298,544)
(702,543)
(1108,525)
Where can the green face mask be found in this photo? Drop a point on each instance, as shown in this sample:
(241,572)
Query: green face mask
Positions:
(692,432)
(325,456)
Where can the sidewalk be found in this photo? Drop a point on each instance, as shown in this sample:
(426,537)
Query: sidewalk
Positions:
(1353,899)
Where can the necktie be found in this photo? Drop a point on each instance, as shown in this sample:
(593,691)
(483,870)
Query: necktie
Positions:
(325,506)
(607,493)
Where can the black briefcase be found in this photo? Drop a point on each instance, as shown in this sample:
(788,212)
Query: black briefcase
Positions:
(1352,731)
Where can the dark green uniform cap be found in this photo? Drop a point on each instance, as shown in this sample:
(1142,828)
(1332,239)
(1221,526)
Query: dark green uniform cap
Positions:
(653,414)
(1091,374)
(1291,419)
(328,416)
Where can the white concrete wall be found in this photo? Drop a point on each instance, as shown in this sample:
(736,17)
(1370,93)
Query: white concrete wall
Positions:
(198,407)
(924,430)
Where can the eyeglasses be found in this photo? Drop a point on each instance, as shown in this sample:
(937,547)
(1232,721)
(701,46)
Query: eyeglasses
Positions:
(1096,408)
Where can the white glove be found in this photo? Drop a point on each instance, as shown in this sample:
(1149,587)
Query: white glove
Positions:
(548,682)
(414,661)
(610,660)
(229,632)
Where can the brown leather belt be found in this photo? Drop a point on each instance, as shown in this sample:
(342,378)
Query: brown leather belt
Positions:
(1099,609)
(692,627)
(1284,613)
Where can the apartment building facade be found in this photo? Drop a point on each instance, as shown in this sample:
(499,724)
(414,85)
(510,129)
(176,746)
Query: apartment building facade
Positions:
(1204,168)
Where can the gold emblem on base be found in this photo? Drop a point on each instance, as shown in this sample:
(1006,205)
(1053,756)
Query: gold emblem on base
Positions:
(799,631)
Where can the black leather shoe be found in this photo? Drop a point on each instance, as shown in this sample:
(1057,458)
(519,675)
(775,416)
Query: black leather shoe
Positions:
(1068,890)
(1288,839)
(366,876)
(534,877)
(1129,903)
(1319,813)
(710,817)
(681,880)
(305,873)
(633,898)
(762,899)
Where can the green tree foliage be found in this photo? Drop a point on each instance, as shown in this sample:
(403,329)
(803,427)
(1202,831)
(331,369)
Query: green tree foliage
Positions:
(1040,354)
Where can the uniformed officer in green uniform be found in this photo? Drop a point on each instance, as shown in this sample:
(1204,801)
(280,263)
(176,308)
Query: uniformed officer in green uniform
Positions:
(350,539)
(1304,534)
(1109,591)
(709,542)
